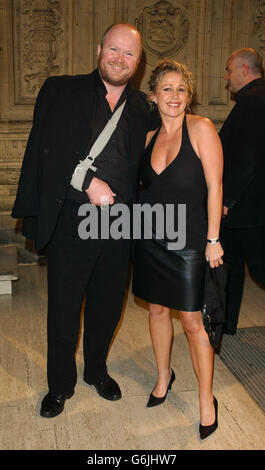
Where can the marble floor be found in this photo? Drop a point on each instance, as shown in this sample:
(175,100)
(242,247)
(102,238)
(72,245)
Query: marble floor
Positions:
(90,422)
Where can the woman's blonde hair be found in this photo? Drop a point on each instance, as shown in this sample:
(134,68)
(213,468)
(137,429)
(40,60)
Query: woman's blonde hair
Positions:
(162,69)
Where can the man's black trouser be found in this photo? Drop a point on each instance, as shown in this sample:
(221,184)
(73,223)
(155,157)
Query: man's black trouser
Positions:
(242,246)
(96,269)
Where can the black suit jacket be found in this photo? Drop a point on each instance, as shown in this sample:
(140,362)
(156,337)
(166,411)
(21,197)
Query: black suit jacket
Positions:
(243,140)
(60,133)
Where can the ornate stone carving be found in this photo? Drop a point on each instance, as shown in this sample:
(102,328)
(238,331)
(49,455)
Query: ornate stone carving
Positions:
(9,175)
(40,44)
(260,26)
(164,29)
(12,149)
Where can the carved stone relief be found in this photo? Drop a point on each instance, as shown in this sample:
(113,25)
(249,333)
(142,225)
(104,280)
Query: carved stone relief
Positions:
(9,175)
(41,44)
(260,27)
(164,28)
(12,148)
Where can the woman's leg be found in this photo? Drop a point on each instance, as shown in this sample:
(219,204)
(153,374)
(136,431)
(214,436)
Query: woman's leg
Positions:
(202,356)
(161,330)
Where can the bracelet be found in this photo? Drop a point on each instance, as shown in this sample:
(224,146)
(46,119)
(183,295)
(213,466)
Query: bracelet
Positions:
(213,241)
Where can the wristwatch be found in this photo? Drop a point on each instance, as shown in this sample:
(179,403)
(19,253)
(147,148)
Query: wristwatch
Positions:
(213,241)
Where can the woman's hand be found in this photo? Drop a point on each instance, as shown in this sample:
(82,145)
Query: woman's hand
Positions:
(213,254)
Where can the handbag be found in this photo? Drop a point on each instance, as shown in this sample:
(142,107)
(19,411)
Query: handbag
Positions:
(214,304)
(101,141)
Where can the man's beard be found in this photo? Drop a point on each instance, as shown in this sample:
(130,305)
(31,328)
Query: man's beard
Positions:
(113,80)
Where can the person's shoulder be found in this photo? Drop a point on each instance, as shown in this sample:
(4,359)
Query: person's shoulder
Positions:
(253,95)
(256,87)
(140,95)
(67,81)
(139,101)
(253,99)
(199,123)
(149,137)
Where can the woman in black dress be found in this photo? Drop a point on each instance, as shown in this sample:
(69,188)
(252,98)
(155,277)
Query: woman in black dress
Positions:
(182,164)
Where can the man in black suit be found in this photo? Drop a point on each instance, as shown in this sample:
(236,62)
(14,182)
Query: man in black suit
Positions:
(242,136)
(70,113)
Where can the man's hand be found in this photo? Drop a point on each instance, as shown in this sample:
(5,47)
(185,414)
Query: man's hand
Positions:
(225,211)
(99,192)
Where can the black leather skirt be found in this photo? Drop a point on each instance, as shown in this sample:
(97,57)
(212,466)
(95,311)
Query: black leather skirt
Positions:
(174,279)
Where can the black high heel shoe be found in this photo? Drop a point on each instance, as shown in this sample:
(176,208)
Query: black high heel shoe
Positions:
(155,401)
(206,431)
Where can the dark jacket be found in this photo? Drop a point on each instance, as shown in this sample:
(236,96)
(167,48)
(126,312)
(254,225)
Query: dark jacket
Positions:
(243,140)
(60,133)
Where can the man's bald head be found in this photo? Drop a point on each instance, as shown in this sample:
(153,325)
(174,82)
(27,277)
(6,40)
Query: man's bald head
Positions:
(243,66)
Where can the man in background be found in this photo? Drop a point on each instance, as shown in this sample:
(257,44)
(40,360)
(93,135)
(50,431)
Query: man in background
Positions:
(243,140)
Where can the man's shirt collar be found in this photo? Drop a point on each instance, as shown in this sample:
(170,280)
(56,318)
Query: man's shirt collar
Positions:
(101,86)
(244,89)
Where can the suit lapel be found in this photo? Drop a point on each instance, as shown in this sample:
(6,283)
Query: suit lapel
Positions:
(84,101)
(83,105)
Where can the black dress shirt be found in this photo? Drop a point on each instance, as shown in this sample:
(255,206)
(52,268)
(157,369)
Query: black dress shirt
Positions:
(113,164)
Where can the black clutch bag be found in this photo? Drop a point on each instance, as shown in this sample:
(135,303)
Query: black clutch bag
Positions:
(214,305)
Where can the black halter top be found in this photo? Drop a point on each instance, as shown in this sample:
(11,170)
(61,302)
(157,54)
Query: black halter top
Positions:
(181,182)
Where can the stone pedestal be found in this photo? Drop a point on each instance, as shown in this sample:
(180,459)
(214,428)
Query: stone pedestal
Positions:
(8,268)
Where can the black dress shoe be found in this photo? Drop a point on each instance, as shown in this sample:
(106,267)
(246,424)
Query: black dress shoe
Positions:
(206,431)
(155,401)
(53,404)
(108,389)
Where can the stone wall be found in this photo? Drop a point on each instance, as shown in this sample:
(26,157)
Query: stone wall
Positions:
(39,38)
